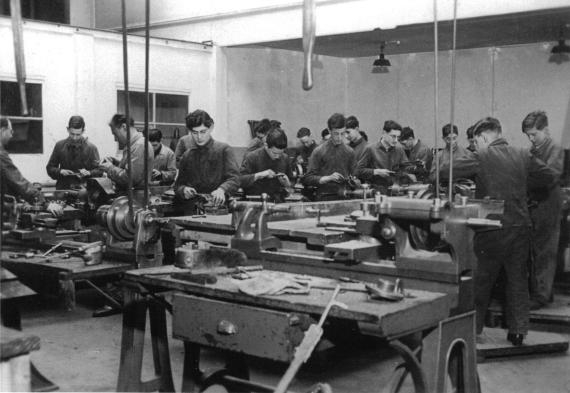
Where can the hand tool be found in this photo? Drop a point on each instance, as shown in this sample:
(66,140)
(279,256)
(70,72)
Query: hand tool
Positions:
(310,341)
(45,254)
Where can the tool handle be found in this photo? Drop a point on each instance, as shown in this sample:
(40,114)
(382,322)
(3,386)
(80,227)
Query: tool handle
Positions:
(307,346)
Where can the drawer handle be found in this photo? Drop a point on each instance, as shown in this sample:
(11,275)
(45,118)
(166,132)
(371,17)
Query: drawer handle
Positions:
(226,328)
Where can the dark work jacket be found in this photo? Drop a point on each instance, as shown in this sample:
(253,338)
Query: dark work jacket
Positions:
(421,152)
(327,159)
(208,167)
(503,172)
(257,161)
(12,181)
(379,157)
(553,156)
(358,148)
(72,156)
(306,152)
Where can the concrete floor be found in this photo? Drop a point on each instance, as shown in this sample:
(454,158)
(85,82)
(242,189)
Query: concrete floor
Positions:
(81,353)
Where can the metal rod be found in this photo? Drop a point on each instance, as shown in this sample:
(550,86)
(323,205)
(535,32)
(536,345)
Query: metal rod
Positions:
(146,71)
(18,37)
(435,98)
(127,114)
(452,98)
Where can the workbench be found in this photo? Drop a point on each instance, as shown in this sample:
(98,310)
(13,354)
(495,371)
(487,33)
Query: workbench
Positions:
(199,313)
(56,276)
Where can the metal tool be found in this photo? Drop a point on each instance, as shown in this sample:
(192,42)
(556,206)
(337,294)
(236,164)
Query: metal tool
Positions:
(209,276)
(307,346)
(45,254)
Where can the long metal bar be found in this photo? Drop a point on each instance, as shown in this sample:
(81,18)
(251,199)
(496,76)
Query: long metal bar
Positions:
(127,114)
(146,71)
(18,37)
(435,98)
(452,98)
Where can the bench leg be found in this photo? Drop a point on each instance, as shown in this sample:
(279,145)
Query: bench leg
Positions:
(132,346)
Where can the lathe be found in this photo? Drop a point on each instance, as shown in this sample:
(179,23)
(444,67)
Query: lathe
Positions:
(415,253)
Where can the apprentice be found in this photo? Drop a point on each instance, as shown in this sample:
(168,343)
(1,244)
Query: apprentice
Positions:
(545,211)
(331,163)
(117,170)
(164,163)
(12,182)
(73,159)
(181,147)
(261,129)
(208,166)
(304,148)
(449,136)
(502,172)
(379,161)
(267,170)
(354,136)
(415,149)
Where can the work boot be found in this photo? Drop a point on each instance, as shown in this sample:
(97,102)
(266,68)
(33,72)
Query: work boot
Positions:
(515,339)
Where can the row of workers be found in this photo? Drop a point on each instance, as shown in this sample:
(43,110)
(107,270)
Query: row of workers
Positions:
(501,172)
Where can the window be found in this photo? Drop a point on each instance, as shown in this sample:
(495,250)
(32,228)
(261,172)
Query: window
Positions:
(56,11)
(28,130)
(167,112)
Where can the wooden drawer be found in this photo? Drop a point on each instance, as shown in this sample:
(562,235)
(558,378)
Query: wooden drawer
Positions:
(254,331)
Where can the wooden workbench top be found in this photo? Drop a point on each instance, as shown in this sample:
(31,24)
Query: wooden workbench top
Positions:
(388,318)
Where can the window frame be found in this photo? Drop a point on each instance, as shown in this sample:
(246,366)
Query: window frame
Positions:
(15,119)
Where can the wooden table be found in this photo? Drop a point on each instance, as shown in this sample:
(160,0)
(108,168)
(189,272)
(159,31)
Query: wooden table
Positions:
(422,311)
(59,276)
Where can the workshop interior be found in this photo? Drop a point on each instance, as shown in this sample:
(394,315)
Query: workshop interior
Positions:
(285,195)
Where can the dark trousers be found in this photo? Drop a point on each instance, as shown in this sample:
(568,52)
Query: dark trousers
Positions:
(545,238)
(506,248)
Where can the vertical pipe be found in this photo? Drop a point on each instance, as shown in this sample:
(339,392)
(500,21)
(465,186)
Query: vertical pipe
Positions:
(452,97)
(18,37)
(127,114)
(146,71)
(435,98)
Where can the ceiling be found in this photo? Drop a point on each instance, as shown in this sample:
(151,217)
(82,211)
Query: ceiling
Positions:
(498,30)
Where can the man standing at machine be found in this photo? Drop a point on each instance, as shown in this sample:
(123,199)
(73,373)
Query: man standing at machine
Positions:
(117,170)
(164,164)
(545,211)
(267,170)
(379,161)
(415,149)
(332,163)
(356,141)
(12,182)
(208,166)
(449,136)
(73,159)
(505,173)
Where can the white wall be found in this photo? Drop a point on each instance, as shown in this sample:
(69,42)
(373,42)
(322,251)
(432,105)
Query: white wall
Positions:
(504,82)
(507,83)
(81,71)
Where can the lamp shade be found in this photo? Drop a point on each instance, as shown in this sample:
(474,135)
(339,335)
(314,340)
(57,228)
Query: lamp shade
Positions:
(561,47)
(381,61)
